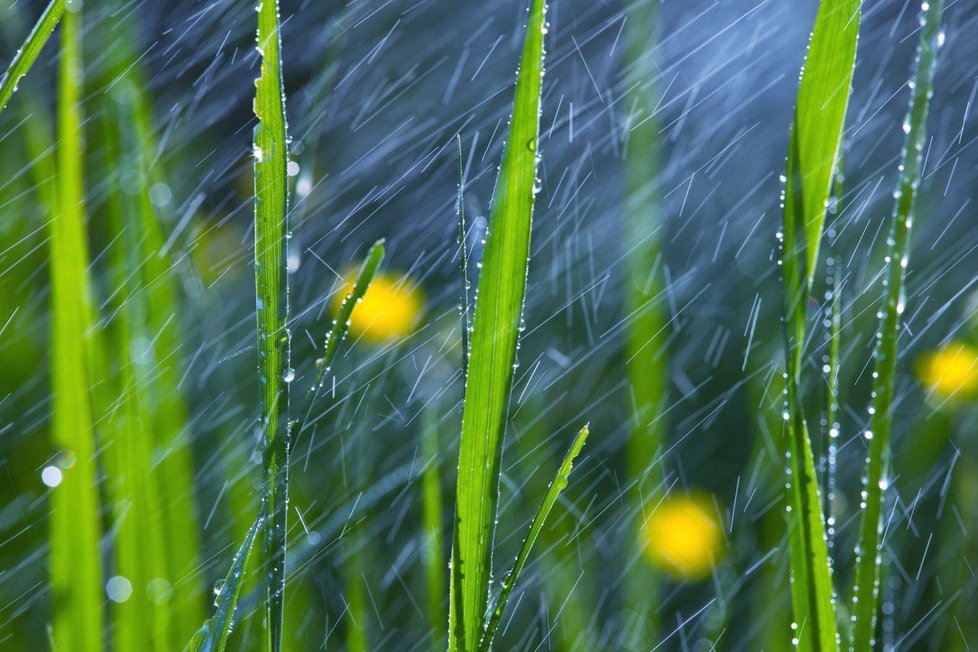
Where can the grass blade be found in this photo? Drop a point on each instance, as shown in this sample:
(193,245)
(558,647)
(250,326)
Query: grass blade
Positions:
(496,325)
(341,324)
(166,411)
(433,555)
(556,487)
(132,481)
(866,587)
(213,635)
(76,575)
(646,334)
(27,54)
(823,98)
(272,292)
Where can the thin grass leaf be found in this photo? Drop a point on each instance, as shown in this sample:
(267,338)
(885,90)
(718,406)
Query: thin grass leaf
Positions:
(166,410)
(463,257)
(563,573)
(272,309)
(646,333)
(75,566)
(213,635)
(823,98)
(539,520)
(27,54)
(496,326)
(341,324)
(433,554)
(866,586)
(132,482)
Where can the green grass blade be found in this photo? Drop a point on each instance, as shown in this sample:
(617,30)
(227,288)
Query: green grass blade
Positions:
(433,555)
(823,98)
(463,257)
(76,575)
(272,293)
(820,112)
(509,580)
(865,590)
(213,635)
(167,410)
(496,326)
(645,337)
(27,54)
(341,324)
(131,480)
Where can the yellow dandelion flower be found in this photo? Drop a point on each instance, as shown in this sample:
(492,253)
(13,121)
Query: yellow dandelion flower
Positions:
(683,536)
(389,310)
(950,371)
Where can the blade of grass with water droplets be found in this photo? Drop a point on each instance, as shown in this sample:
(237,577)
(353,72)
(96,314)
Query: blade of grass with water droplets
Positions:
(213,635)
(823,98)
(27,54)
(75,565)
(496,326)
(272,309)
(556,487)
(865,589)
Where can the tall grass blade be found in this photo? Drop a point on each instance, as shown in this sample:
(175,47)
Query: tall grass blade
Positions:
(496,326)
(27,54)
(645,338)
(142,620)
(272,292)
(433,554)
(463,257)
(812,152)
(159,289)
(213,635)
(866,586)
(75,566)
(509,580)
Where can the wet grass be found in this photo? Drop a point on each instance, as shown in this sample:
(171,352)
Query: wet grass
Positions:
(816,135)
(865,597)
(124,522)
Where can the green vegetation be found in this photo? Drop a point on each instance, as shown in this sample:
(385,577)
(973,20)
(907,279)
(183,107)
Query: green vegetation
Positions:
(75,565)
(866,586)
(139,465)
(812,152)
(495,331)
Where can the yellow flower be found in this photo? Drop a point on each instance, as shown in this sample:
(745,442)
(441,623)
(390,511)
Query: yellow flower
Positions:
(683,536)
(389,310)
(950,371)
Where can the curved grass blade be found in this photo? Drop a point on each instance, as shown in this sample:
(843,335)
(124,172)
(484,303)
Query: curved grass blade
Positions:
(341,324)
(27,54)
(213,635)
(75,566)
(866,587)
(509,580)
(646,361)
(272,307)
(496,326)
(823,98)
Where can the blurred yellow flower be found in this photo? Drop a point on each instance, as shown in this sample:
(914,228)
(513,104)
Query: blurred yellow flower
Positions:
(389,310)
(950,371)
(683,536)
